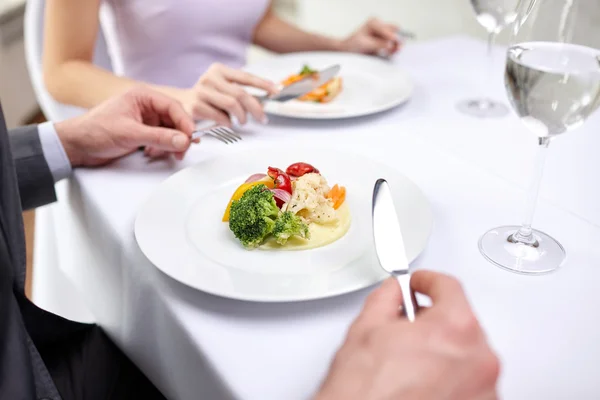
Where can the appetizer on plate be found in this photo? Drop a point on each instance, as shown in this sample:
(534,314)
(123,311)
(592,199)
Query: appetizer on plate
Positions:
(323,94)
(291,210)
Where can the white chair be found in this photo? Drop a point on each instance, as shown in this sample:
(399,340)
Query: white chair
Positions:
(51,289)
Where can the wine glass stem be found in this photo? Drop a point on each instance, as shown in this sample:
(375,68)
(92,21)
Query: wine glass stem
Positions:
(525,234)
(490,63)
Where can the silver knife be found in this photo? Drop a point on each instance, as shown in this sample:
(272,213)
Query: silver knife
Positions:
(303,86)
(292,91)
(389,245)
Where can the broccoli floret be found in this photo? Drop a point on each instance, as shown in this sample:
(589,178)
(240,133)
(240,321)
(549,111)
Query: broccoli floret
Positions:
(287,225)
(253,216)
(306,70)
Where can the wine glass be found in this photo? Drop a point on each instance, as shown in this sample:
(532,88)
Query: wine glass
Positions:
(553,83)
(494,15)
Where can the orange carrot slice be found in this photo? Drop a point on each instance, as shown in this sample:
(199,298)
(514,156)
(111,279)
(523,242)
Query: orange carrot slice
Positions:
(337,195)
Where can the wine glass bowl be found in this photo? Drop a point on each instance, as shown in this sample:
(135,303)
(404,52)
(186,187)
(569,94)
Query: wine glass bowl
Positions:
(494,16)
(552,79)
(553,87)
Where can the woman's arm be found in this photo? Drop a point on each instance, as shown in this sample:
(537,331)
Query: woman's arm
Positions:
(72,78)
(71,29)
(279,36)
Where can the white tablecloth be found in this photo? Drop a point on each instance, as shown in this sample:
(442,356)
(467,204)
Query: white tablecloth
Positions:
(194,345)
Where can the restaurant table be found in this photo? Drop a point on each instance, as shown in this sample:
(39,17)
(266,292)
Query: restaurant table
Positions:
(474,172)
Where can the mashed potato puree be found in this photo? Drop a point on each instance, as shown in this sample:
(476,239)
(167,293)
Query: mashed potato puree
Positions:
(320,235)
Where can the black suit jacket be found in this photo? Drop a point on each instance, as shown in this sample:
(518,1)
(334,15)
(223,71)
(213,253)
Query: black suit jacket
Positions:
(25,182)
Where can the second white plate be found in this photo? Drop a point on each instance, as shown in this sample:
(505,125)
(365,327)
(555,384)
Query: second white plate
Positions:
(370,84)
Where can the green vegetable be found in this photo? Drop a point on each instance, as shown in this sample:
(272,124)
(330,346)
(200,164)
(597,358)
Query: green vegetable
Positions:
(306,70)
(252,217)
(287,225)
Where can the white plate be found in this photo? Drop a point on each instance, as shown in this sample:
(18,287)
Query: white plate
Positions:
(370,84)
(179,229)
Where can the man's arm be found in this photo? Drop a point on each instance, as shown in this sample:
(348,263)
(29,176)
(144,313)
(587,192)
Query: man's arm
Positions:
(36,183)
(47,153)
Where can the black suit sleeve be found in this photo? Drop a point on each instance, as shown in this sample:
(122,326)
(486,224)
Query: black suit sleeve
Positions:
(36,184)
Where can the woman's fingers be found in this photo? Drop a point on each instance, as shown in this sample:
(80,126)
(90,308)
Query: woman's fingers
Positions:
(224,102)
(204,110)
(245,78)
(385,31)
(220,89)
(248,102)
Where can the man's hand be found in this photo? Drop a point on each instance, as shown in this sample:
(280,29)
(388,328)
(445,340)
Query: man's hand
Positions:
(120,126)
(443,355)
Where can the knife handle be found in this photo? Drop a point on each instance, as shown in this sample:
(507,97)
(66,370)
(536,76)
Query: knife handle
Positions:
(410,305)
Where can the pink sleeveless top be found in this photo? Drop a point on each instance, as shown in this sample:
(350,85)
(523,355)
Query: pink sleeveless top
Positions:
(172,42)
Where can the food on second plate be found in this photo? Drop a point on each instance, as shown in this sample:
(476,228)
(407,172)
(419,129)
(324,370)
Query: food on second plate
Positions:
(291,210)
(324,93)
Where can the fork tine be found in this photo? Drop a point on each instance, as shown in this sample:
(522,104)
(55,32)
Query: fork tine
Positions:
(225,132)
(219,138)
(221,133)
(228,133)
(225,138)
(231,132)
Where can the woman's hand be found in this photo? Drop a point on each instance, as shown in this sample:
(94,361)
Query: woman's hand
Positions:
(219,96)
(374,37)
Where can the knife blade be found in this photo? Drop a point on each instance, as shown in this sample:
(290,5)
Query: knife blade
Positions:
(389,244)
(304,85)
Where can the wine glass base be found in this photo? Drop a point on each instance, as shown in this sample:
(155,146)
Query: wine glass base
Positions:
(482,108)
(547,256)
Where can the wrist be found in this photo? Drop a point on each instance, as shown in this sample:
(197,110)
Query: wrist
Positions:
(334,44)
(184,96)
(340,45)
(68,132)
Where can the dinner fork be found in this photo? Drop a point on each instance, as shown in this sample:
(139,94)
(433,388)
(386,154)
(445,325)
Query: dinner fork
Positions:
(222,133)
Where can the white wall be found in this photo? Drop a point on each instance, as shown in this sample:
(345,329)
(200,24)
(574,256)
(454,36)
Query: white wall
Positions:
(16,93)
(429,19)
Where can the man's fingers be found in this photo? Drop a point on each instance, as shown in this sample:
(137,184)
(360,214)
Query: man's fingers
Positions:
(158,139)
(245,78)
(489,396)
(444,290)
(382,305)
(179,156)
(152,152)
(166,108)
